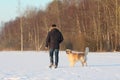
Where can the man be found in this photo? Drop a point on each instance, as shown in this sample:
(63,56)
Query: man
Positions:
(53,40)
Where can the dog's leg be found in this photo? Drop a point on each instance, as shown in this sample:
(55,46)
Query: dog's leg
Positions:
(85,63)
(71,60)
(82,61)
(82,64)
(72,63)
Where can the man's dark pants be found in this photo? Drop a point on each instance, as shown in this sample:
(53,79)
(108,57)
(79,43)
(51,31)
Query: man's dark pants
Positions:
(56,53)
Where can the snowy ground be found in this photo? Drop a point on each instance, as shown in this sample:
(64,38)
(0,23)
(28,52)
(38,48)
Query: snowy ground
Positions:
(30,65)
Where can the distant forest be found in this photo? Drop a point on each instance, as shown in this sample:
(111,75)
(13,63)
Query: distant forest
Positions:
(84,23)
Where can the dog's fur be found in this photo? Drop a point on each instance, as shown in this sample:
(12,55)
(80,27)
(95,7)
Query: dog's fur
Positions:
(77,56)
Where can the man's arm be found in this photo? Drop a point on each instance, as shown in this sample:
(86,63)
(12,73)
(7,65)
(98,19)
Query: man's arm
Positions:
(61,38)
(47,40)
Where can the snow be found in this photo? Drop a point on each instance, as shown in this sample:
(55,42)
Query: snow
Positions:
(33,65)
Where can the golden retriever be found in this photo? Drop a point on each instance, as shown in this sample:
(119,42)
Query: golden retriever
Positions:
(77,56)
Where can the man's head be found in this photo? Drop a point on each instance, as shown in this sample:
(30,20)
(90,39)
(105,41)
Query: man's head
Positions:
(53,25)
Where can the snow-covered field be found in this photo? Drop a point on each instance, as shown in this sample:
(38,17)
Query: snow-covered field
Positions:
(33,65)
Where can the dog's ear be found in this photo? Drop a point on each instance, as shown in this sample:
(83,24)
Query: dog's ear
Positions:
(68,51)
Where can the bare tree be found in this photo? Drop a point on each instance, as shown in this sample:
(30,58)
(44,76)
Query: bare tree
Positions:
(21,27)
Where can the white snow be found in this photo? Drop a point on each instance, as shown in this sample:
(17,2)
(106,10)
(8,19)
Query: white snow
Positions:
(33,65)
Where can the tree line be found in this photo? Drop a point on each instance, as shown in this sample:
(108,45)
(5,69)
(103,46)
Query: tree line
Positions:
(84,23)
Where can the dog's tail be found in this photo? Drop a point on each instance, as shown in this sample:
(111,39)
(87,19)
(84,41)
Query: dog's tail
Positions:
(86,52)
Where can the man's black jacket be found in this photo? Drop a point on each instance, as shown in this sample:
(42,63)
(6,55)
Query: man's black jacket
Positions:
(54,38)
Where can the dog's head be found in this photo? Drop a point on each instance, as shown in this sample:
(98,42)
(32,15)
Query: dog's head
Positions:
(68,51)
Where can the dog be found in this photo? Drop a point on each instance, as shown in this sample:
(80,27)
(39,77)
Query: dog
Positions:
(77,56)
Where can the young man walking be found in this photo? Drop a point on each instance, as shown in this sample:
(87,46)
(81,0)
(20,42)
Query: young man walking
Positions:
(53,40)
